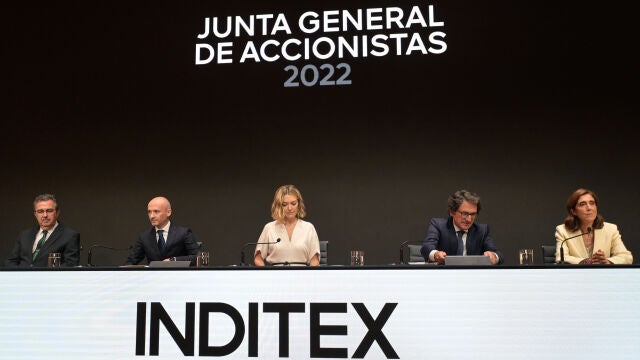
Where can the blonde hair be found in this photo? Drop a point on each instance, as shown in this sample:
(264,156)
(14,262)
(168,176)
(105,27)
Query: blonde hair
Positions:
(277,213)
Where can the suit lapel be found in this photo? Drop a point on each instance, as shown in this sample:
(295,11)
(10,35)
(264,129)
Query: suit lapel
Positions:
(32,238)
(170,237)
(598,242)
(578,244)
(55,235)
(453,243)
(471,239)
(153,243)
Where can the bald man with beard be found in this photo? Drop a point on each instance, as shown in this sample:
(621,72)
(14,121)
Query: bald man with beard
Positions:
(163,241)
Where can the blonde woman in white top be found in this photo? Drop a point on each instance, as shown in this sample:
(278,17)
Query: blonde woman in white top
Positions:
(288,239)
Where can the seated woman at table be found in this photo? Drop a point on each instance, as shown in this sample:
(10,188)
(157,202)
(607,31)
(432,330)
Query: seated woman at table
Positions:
(600,242)
(288,239)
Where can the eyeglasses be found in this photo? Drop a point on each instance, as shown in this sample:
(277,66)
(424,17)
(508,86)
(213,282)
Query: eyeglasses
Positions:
(41,211)
(584,203)
(465,214)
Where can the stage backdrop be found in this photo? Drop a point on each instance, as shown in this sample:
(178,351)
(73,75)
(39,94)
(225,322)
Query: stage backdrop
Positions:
(376,110)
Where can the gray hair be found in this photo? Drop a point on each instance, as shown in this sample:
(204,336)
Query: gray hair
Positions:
(45,197)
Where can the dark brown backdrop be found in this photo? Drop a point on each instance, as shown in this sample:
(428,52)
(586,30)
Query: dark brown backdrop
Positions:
(105,108)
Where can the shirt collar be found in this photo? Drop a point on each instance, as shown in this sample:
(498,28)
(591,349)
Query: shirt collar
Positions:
(165,228)
(49,232)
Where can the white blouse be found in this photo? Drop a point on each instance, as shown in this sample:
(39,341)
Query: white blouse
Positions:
(301,248)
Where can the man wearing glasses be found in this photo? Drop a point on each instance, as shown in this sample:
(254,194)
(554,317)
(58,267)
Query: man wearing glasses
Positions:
(50,236)
(459,234)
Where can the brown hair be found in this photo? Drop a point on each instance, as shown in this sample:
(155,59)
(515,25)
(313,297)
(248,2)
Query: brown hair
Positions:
(572,222)
(457,198)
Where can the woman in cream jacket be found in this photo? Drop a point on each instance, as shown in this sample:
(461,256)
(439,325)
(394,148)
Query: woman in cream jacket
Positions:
(600,243)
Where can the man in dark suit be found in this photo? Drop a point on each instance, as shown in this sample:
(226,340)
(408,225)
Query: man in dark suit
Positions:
(50,236)
(459,234)
(164,241)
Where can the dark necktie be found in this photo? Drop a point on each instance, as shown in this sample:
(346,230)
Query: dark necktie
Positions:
(460,242)
(161,241)
(40,243)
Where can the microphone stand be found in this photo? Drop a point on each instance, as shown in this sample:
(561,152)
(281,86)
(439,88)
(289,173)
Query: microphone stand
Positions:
(242,263)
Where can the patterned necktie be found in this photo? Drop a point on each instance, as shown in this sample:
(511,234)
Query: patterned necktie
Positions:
(460,242)
(40,243)
(161,241)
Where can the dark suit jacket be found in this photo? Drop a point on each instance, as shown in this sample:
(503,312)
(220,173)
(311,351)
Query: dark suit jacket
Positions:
(180,243)
(441,236)
(63,240)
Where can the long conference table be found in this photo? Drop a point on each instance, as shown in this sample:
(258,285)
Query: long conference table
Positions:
(370,312)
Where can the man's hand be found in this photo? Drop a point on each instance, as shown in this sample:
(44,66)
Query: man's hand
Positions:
(439,256)
(492,256)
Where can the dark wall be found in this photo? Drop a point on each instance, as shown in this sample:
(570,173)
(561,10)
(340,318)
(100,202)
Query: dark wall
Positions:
(106,109)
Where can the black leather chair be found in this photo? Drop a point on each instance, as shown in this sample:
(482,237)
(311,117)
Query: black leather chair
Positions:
(548,254)
(109,248)
(324,252)
(414,254)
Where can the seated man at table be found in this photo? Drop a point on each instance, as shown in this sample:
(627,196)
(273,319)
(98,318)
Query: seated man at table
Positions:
(459,234)
(163,241)
(33,246)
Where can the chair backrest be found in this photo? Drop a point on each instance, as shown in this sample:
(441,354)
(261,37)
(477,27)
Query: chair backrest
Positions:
(414,253)
(109,250)
(548,254)
(324,252)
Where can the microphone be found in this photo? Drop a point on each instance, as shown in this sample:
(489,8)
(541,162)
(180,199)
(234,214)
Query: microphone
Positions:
(89,264)
(404,245)
(569,238)
(254,244)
